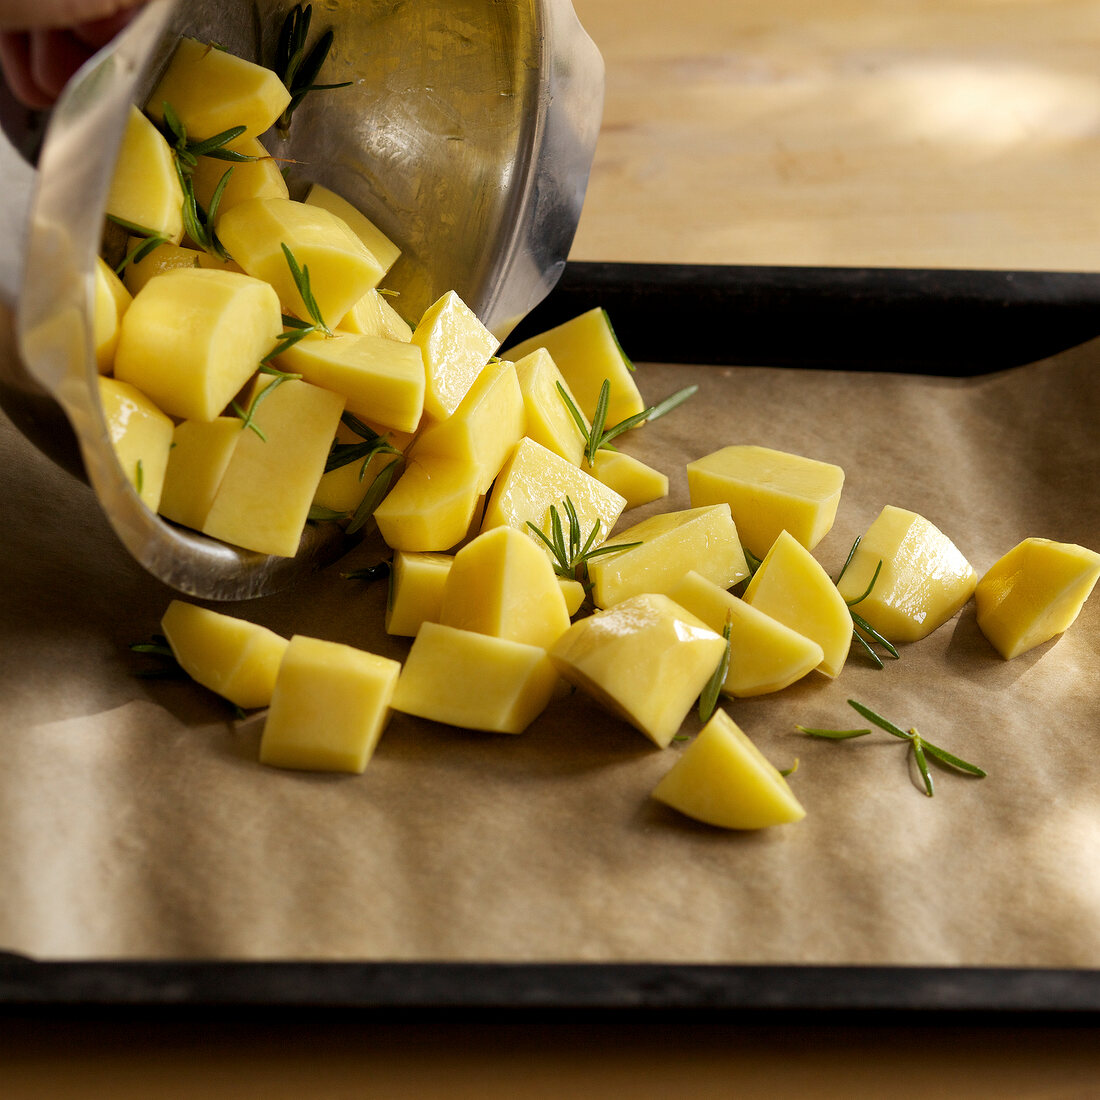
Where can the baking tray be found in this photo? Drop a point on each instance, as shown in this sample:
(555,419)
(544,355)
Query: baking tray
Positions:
(953,323)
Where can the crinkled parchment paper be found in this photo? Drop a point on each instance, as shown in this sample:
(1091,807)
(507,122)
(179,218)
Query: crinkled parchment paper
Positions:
(135,820)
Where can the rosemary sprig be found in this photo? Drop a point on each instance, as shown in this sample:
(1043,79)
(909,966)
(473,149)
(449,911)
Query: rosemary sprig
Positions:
(300,275)
(296,67)
(169,667)
(377,572)
(708,701)
(151,239)
(374,495)
(187,152)
(920,747)
(571,554)
(861,626)
(597,435)
(198,221)
(343,454)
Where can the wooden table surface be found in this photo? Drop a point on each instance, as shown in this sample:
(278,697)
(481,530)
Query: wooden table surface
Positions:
(918,133)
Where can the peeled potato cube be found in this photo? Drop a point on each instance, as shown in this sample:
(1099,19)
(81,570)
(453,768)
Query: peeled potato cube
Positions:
(329,708)
(341,270)
(212,90)
(792,587)
(1034,593)
(485,427)
(145,189)
(164,258)
(140,434)
(574,594)
(431,505)
(549,421)
(645,660)
(237,660)
(502,584)
(475,681)
(629,477)
(192,338)
(200,455)
(382,248)
(259,178)
(765,655)
(372,315)
(723,779)
(110,301)
(923,582)
(266,491)
(586,352)
(670,543)
(416,590)
(456,347)
(769,491)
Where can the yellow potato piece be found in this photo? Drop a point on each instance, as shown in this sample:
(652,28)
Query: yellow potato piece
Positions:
(379,378)
(341,270)
(645,660)
(765,655)
(586,352)
(330,706)
(373,315)
(164,258)
(485,427)
(769,491)
(723,779)
(381,247)
(1034,593)
(416,590)
(472,680)
(145,189)
(140,434)
(260,178)
(793,588)
(671,543)
(212,90)
(502,584)
(201,452)
(344,488)
(549,421)
(192,338)
(535,479)
(923,582)
(237,660)
(430,507)
(263,501)
(110,301)
(629,477)
(456,347)
(574,594)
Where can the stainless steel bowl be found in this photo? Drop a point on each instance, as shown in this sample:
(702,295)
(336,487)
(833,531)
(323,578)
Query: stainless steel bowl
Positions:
(467,135)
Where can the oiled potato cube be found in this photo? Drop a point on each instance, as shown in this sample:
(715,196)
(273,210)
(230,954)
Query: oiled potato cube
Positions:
(1033,593)
(192,338)
(200,455)
(416,590)
(164,258)
(431,505)
(373,315)
(236,659)
(670,543)
(472,680)
(645,659)
(723,779)
(145,189)
(110,301)
(549,421)
(329,708)
(769,491)
(379,245)
(629,477)
(923,582)
(140,434)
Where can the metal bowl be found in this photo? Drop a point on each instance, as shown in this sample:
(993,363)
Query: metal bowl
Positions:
(467,136)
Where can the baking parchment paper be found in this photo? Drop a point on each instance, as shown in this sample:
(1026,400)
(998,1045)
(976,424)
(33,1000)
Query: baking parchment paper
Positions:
(136,822)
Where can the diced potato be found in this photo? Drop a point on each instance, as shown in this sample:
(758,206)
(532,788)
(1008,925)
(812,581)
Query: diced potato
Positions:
(330,706)
(472,680)
(792,587)
(380,246)
(140,434)
(416,590)
(765,655)
(201,452)
(456,347)
(431,505)
(535,479)
(344,488)
(586,352)
(574,594)
(192,338)
(237,660)
(629,477)
(212,90)
(263,501)
(380,379)
(260,178)
(145,189)
(1034,593)
(769,491)
(923,582)
(341,270)
(485,427)
(703,539)
(723,779)
(373,315)
(502,584)
(549,421)
(110,301)
(164,258)
(645,660)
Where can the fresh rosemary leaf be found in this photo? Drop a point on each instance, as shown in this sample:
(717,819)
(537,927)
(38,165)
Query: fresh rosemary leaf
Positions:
(570,556)
(848,559)
(867,592)
(922,763)
(949,758)
(832,735)
(300,276)
(298,68)
(878,720)
(373,496)
(618,346)
(370,573)
(708,701)
(319,514)
(139,476)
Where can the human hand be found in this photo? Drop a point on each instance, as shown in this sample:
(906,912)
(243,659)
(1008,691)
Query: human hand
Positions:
(43,42)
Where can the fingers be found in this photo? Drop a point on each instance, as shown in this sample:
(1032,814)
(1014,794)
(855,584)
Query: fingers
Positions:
(26,15)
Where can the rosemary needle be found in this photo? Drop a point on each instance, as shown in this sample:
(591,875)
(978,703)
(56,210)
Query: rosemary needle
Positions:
(571,555)
(708,701)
